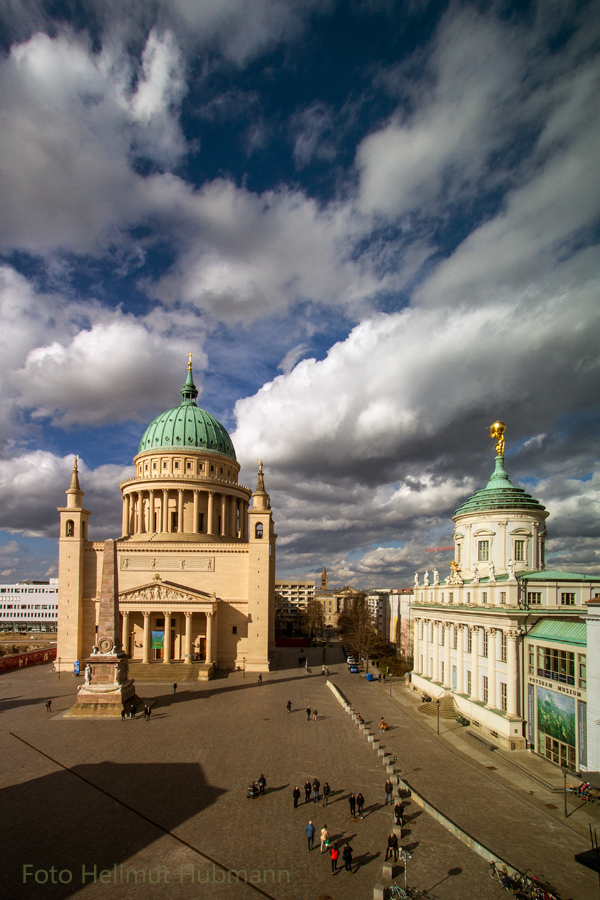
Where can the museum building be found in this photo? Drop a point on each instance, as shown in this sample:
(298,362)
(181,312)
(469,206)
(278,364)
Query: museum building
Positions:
(502,635)
(195,561)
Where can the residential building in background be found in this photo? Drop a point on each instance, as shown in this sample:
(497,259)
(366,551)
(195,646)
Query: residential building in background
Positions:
(29,606)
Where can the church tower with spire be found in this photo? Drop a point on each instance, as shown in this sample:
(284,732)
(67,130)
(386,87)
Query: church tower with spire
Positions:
(74,618)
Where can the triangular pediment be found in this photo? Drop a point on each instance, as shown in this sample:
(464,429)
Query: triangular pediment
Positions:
(158,591)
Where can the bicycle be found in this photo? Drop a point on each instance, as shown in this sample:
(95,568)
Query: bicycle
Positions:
(399,893)
(501,875)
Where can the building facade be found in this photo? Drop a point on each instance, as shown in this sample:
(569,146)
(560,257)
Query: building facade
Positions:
(195,560)
(470,632)
(29,606)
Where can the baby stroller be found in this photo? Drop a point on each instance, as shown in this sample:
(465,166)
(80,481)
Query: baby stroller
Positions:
(253,790)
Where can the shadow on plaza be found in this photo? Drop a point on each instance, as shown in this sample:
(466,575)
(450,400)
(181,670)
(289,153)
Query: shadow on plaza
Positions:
(92,815)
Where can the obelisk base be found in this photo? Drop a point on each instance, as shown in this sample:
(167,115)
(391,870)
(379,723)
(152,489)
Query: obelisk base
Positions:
(107,687)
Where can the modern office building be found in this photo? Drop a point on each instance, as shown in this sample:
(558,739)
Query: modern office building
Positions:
(29,606)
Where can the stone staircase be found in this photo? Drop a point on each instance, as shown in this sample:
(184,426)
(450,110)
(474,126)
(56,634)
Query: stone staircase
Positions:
(447,708)
(177,671)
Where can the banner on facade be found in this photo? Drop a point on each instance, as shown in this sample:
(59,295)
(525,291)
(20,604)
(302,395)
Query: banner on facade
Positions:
(582,732)
(531,714)
(158,640)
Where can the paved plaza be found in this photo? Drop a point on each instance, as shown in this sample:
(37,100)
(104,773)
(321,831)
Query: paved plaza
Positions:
(158,809)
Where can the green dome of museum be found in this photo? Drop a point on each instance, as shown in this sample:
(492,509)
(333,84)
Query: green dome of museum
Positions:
(499,493)
(187,427)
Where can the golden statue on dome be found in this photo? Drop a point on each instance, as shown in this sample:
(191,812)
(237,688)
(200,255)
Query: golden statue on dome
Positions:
(497,433)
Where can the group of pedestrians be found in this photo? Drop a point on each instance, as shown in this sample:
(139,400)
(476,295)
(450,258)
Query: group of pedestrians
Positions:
(311,713)
(356,801)
(334,852)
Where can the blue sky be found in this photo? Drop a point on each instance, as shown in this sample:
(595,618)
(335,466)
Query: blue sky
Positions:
(375,226)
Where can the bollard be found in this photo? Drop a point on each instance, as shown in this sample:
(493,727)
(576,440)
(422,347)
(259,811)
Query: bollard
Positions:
(379,892)
(383,752)
(387,871)
(390,770)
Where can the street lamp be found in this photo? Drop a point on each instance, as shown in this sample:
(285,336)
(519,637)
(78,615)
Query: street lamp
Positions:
(438,703)
(565,769)
(405,856)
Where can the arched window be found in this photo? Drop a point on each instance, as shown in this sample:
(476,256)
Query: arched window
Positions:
(258,531)
(70,528)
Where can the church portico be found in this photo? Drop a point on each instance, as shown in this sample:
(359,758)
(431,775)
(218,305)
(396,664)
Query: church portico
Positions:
(169,623)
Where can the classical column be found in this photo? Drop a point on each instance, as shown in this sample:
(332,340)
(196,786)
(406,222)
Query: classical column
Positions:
(416,646)
(535,554)
(196,512)
(460,659)
(512,668)
(146,647)
(167,638)
(501,552)
(447,674)
(436,651)
(165,511)
(492,650)
(180,510)
(125,633)
(244,520)
(232,516)
(151,512)
(188,637)
(223,515)
(143,528)
(474,662)
(211,502)
(208,651)
(125,522)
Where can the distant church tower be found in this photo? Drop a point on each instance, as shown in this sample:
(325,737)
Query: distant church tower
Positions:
(324,579)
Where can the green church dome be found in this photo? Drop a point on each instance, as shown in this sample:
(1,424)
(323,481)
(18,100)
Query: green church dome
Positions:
(187,426)
(499,493)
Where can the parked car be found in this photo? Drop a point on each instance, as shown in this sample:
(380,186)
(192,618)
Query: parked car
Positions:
(353,668)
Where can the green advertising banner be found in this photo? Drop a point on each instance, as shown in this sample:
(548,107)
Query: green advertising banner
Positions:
(158,640)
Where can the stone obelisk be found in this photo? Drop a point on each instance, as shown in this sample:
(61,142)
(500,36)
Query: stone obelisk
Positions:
(107,687)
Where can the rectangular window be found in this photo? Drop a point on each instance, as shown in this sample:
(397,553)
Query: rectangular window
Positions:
(455,638)
(531,660)
(503,646)
(469,682)
(485,688)
(468,596)
(557,665)
(534,598)
(485,643)
(451,597)
(582,670)
(519,551)
(201,523)
(458,553)
(469,641)
(484,597)
(483,551)
(502,596)
(503,696)
(234,629)
(567,599)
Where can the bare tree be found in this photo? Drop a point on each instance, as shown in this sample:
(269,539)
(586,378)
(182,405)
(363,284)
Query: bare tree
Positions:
(358,632)
(313,618)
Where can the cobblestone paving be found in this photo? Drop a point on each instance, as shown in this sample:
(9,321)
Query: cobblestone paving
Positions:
(166,799)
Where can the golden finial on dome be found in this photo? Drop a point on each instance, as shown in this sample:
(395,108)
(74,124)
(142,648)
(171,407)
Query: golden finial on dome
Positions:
(497,433)
(189,356)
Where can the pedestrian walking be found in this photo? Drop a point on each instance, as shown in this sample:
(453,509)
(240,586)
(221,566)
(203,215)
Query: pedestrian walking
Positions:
(174,687)
(392,847)
(308,712)
(123,714)
(326,793)
(333,855)
(260,678)
(389,790)
(48,705)
(310,835)
(398,809)
(315,786)
(324,838)
(360,802)
(296,796)
(289,706)
(132,711)
(347,857)
(314,715)
(147,712)
(262,783)
(352,802)
(307,791)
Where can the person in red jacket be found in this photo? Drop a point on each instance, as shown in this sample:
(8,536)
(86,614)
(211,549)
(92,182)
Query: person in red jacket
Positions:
(334,853)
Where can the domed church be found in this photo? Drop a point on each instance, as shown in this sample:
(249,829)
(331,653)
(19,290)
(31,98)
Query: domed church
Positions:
(194,567)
